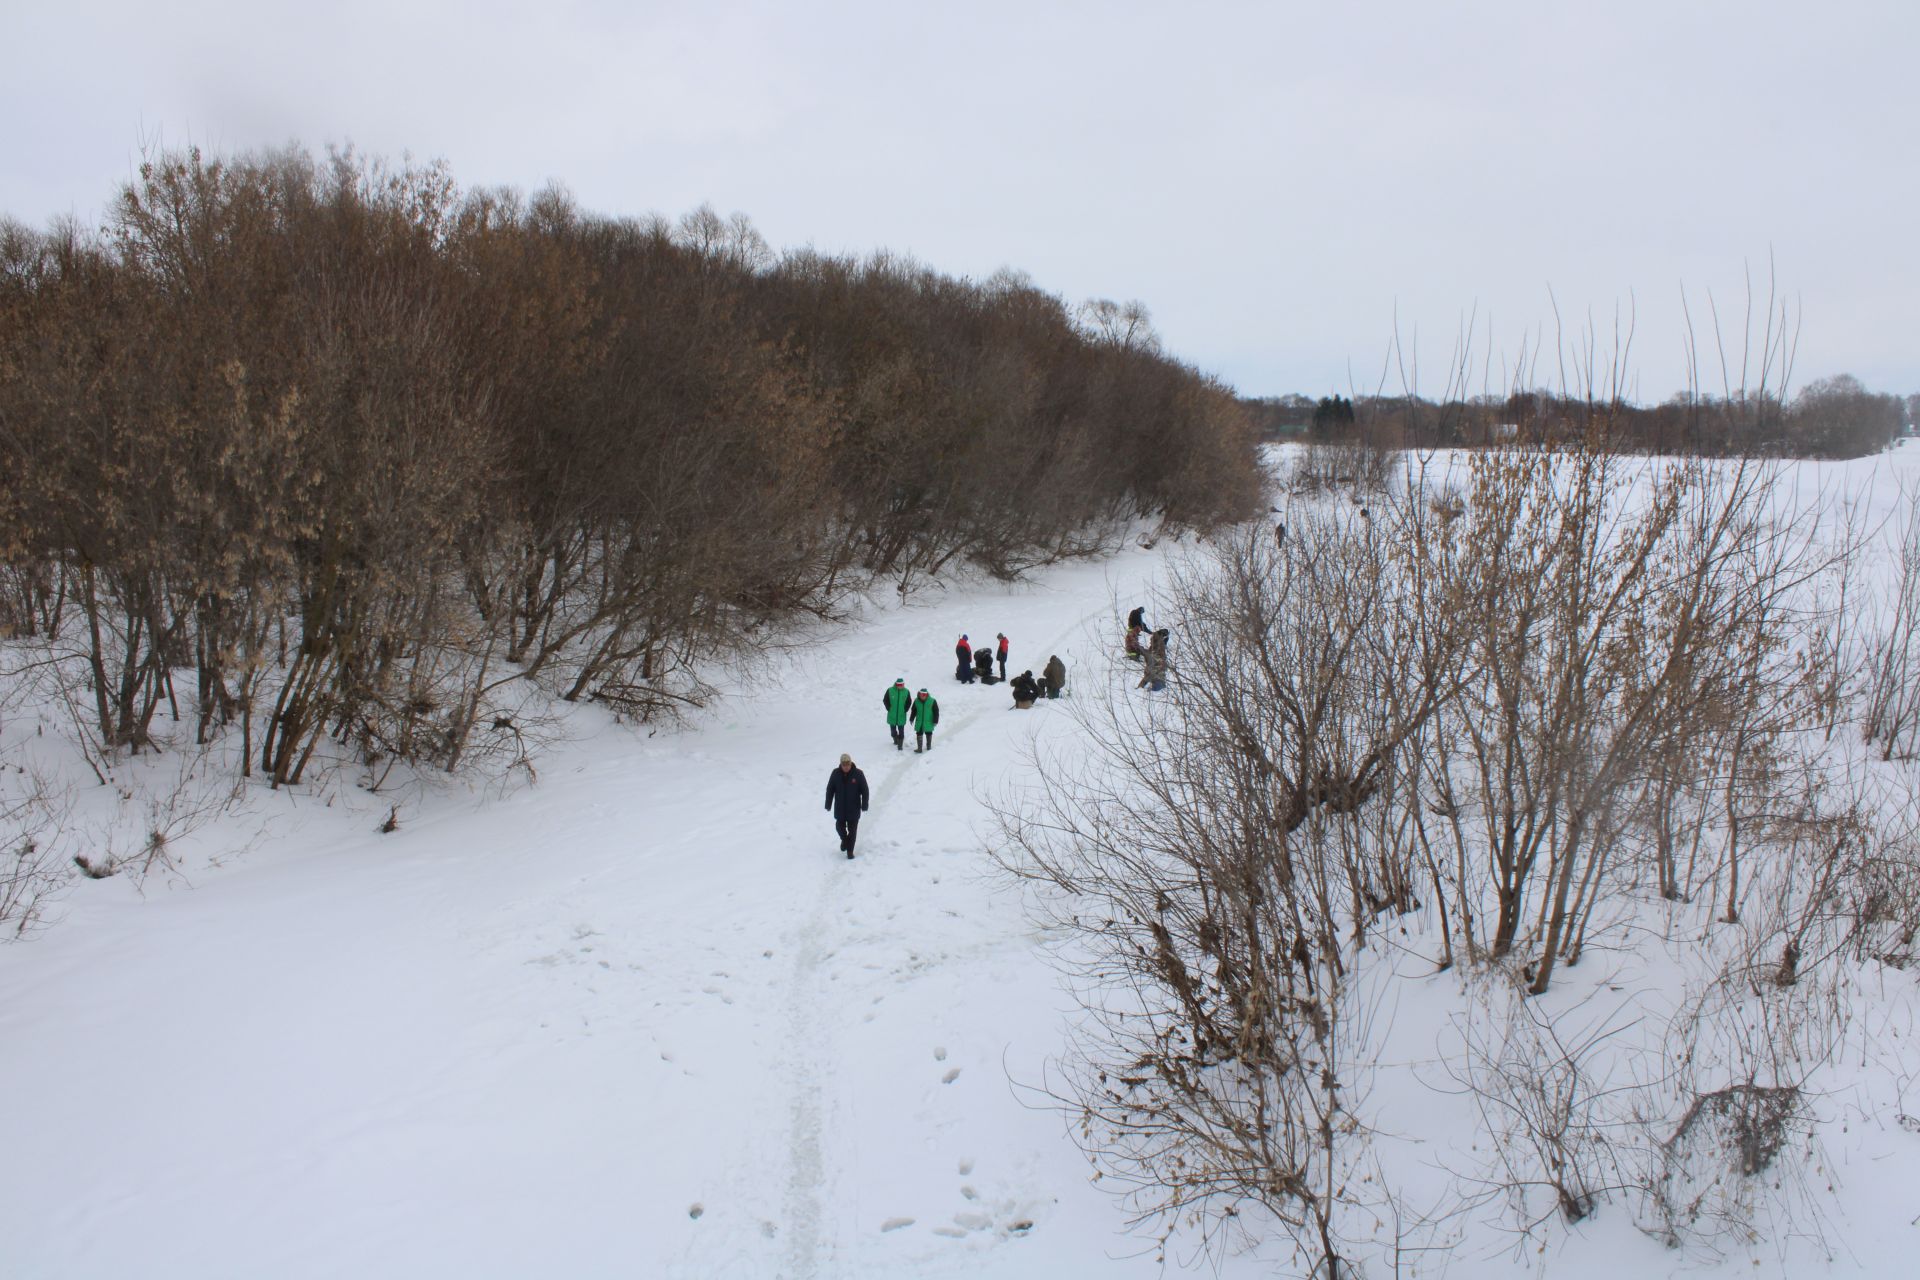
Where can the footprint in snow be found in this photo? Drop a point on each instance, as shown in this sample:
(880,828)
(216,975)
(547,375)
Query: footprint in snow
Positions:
(969,1193)
(952,1233)
(973,1221)
(695,1211)
(953,1073)
(940,1053)
(894,1224)
(966,1165)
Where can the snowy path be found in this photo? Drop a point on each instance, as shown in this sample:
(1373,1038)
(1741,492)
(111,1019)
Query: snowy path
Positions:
(640,1019)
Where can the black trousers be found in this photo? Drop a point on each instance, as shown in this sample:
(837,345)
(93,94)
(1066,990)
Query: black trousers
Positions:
(1003,666)
(848,829)
(899,732)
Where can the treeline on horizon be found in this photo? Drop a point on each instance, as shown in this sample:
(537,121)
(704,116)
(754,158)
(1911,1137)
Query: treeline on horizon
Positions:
(1833,417)
(359,448)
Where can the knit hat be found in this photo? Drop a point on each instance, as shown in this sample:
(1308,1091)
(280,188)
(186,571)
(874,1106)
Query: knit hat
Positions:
(845,758)
(899,679)
(923,693)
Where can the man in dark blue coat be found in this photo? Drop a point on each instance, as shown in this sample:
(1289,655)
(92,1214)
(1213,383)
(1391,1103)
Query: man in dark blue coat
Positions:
(847,797)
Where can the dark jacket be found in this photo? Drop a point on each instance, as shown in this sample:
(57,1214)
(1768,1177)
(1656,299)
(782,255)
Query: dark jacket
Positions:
(1024,688)
(1138,618)
(983,662)
(847,794)
(1056,673)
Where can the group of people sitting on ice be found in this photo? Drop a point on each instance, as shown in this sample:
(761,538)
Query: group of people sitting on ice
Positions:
(971,664)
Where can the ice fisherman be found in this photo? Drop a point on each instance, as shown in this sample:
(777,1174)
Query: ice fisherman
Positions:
(1155,676)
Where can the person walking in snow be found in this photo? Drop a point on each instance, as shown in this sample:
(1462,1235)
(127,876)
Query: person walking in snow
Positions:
(1155,675)
(926,714)
(897,700)
(847,797)
(1054,678)
(1001,654)
(963,660)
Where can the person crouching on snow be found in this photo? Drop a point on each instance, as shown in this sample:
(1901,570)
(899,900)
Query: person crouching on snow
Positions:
(1054,680)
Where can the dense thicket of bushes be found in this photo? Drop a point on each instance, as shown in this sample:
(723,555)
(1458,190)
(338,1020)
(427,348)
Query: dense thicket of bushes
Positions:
(1521,709)
(356,447)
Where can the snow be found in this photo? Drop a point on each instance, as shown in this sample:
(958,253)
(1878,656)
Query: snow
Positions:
(642,1018)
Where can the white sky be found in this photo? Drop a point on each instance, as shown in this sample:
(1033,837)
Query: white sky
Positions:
(1275,181)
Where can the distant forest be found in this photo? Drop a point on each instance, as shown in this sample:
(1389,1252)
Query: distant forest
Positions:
(1831,418)
(358,447)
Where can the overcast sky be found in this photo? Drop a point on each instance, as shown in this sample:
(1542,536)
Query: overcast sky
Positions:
(1275,181)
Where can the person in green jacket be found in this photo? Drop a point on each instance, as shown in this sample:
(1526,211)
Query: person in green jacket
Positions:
(926,714)
(897,701)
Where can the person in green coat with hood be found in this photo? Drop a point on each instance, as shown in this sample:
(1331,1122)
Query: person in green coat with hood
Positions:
(897,701)
(926,714)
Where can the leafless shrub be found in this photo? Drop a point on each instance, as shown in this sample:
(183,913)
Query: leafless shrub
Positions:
(33,814)
(1558,1127)
(1740,1163)
(1891,699)
(1356,465)
(1204,866)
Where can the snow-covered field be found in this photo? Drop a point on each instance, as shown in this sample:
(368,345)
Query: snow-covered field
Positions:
(642,1018)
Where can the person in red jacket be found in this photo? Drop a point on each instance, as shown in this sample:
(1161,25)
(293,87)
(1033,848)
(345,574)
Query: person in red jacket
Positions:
(963,657)
(1001,653)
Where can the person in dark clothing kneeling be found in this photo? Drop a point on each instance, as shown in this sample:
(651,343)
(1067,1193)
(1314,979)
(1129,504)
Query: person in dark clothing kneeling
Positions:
(983,665)
(1054,679)
(1025,690)
(847,797)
